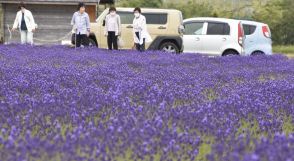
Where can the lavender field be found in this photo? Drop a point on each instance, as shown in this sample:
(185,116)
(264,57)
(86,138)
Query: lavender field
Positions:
(62,104)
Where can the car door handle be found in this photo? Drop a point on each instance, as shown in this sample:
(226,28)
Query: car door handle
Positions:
(161,27)
(224,39)
(130,27)
(197,39)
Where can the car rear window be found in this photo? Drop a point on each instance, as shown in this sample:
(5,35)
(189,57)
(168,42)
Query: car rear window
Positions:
(151,18)
(216,28)
(249,29)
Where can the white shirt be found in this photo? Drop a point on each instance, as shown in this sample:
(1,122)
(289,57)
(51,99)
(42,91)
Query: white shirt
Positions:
(139,25)
(112,23)
(29,20)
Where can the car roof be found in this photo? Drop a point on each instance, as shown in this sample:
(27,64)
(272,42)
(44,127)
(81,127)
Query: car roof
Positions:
(252,22)
(210,19)
(147,10)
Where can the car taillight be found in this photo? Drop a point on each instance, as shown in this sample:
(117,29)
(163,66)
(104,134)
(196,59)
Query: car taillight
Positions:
(240,34)
(266,32)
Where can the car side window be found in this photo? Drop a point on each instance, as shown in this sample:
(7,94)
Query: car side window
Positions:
(249,29)
(215,28)
(151,18)
(126,17)
(156,18)
(194,28)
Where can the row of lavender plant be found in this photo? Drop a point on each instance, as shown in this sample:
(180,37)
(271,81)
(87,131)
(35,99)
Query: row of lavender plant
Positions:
(58,103)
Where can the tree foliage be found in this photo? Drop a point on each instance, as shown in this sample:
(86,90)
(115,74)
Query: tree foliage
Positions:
(278,14)
(141,3)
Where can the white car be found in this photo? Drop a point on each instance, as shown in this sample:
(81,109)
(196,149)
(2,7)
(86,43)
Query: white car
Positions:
(213,36)
(258,38)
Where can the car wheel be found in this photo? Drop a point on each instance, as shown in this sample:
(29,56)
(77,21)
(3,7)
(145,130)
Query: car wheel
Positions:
(169,47)
(230,53)
(92,43)
(257,53)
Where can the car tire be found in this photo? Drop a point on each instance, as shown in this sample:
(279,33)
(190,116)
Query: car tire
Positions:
(230,53)
(257,53)
(92,43)
(169,47)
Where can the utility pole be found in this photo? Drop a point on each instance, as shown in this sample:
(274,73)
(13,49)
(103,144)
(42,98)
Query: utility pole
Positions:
(233,8)
(238,8)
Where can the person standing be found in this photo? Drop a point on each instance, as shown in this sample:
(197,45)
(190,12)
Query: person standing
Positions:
(81,25)
(112,28)
(25,22)
(140,33)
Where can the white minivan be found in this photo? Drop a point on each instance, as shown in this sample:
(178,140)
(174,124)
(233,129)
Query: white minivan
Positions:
(213,36)
(258,38)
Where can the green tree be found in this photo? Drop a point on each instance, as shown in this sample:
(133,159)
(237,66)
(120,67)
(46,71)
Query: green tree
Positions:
(192,9)
(271,14)
(287,24)
(278,14)
(141,3)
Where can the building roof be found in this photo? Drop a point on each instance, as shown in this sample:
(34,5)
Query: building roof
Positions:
(58,1)
(106,1)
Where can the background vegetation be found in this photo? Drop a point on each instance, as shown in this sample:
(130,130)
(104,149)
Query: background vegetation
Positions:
(278,14)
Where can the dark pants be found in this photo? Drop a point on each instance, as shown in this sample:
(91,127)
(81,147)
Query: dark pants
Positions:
(82,39)
(112,40)
(140,47)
